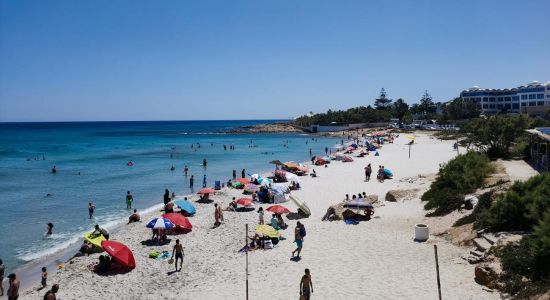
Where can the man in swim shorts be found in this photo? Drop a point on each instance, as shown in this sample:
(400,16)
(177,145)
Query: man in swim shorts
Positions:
(306,285)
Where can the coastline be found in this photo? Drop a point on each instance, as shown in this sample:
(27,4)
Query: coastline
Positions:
(342,257)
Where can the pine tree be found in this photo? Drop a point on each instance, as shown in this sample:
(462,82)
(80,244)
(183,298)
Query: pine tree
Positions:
(382,102)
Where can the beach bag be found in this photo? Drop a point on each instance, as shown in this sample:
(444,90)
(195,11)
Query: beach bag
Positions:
(302,231)
(268,244)
(154,254)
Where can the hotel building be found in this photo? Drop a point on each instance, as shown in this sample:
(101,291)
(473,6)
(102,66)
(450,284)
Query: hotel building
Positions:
(532,99)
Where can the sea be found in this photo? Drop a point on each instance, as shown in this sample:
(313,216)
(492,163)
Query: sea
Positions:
(91,159)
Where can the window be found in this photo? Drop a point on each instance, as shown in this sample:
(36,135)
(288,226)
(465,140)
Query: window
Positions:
(515,105)
(485,106)
(532,96)
(499,99)
(533,103)
(499,106)
(491,106)
(540,103)
(508,99)
(523,97)
(540,96)
(491,99)
(523,104)
(507,106)
(515,98)
(485,99)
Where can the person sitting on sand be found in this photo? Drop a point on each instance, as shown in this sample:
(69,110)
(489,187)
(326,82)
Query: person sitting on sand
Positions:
(155,236)
(347,197)
(360,196)
(380,176)
(364,195)
(369,211)
(86,248)
(281,222)
(353,197)
(169,207)
(330,215)
(100,231)
(104,264)
(255,196)
(313,173)
(232,205)
(229,183)
(274,222)
(134,217)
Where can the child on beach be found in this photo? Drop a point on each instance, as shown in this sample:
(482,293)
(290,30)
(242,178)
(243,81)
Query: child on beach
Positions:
(44,277)
(261,215)
(178,252)
(306,285)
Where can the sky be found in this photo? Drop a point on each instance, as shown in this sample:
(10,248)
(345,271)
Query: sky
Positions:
(204,60)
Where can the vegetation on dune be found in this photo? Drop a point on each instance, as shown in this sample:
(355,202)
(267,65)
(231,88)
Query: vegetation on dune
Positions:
(460,176)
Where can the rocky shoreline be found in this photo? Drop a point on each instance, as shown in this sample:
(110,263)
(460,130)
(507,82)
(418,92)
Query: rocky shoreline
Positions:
(279,127)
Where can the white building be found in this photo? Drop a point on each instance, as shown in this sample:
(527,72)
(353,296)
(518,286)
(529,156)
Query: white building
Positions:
(532,99)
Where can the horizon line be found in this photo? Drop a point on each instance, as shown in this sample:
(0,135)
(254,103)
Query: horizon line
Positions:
(108,121)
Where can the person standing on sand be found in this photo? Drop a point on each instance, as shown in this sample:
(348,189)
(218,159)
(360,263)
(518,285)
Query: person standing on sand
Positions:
(178,251)
(13,290)
(2,270)
(191,180)
(91,208)
(44,280)
(50,295)
(261,215)
(216,215)
(243,174)
(306,285)
(368,171)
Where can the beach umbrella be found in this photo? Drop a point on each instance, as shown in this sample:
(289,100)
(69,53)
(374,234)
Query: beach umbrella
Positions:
(178,220)
(205,191)
(246,202)
(276,162)
(120,252)
(251,188)
(243,180)
(160,223)
(186,205)
(292,177)
(388,173)
(410,137)
(278,209)
(237,185)
(291,165)
(267,230)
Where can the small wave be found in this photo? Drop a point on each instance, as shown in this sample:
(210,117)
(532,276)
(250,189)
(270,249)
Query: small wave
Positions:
(29,254)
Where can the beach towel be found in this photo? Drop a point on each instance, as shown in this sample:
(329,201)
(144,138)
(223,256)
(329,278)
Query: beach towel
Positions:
(154,254)
(351,222)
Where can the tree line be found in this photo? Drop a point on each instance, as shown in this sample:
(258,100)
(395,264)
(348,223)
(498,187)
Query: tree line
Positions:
(385,109)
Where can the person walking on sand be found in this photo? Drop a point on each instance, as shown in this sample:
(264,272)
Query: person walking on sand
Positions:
(216,215)
(299,242)
(306,285)
(166,196)
(13,290)
(129,200)
(2,270)
(50,295)
(191,181)
(178,252)
(368,171)
(91,208)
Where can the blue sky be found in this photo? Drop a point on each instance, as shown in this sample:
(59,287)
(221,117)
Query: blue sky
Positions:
(183,60)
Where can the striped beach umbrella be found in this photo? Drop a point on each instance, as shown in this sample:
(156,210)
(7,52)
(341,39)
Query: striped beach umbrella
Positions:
(160,223)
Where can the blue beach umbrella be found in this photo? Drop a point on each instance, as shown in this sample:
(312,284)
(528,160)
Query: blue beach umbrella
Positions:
(158,223)
(185,205)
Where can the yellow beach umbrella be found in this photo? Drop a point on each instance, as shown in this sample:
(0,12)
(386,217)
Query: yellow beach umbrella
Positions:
(410,137)
(267,231)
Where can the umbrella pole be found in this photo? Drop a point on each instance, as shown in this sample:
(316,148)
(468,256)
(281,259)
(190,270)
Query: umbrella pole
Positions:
(246,239)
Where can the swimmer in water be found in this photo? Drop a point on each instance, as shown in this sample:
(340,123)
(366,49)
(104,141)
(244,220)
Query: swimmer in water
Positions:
(54,170)
(50,229)
(172,168)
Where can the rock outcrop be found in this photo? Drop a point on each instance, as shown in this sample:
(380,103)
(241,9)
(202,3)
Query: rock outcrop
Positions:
(401,195)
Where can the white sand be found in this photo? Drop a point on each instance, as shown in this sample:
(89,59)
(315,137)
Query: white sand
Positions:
(377,259)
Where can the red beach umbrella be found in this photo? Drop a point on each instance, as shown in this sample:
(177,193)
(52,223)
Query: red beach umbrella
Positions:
(245,202)
(278,209)
(179,220)
(204,191)
(120,252)
(243,180)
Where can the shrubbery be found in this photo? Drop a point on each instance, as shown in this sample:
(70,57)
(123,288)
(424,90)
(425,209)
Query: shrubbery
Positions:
(458,177)
(521,208)
(484,202)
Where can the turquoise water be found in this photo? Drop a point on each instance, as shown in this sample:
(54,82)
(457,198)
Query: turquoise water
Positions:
(91,159)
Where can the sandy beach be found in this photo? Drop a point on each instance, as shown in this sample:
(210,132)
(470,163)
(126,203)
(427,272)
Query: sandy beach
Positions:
(376,259)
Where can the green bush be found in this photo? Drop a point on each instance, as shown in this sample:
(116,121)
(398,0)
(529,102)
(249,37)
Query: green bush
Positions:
(521,208)
(459,176)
